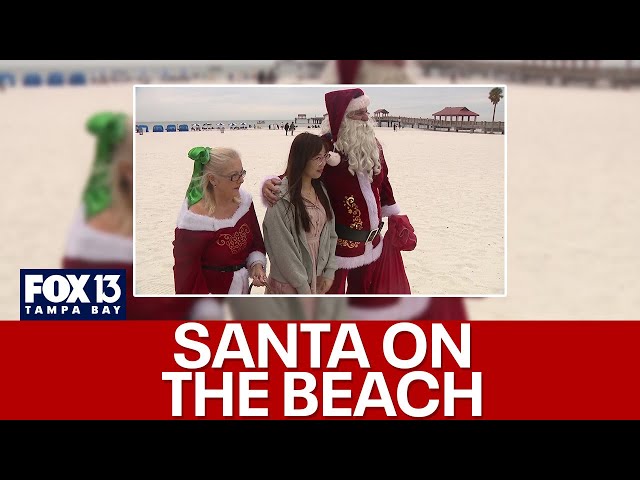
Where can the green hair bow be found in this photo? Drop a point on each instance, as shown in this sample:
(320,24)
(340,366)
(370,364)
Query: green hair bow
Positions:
(200,157)
(110,129)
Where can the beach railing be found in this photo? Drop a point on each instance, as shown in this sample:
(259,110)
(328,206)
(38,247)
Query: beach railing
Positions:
(471,126)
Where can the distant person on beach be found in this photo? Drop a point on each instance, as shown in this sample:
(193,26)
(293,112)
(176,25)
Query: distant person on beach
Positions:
(292,127)
(218,243)
(101,235)
(299,230)
(286,128)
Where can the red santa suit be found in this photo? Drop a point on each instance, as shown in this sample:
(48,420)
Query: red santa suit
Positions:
(90,248)
(214,256)
(359,203)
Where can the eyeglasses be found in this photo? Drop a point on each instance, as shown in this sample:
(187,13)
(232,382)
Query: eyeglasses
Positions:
(319,159)
(358,114)
(236,176)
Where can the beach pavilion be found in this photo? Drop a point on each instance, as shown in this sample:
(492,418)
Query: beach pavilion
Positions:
(456,112)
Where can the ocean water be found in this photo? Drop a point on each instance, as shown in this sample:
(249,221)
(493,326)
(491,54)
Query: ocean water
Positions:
(254,123)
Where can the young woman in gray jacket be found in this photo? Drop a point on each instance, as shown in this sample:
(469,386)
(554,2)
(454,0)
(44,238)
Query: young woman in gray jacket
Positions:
(299,230)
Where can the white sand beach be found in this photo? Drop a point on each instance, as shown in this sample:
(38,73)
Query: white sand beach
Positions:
(450,185)
(572,203)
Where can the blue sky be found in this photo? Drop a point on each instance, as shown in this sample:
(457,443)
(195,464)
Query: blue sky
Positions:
(203,103)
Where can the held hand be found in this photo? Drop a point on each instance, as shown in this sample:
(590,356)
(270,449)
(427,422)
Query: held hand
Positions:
(258,275)
(270,189)
(324,284)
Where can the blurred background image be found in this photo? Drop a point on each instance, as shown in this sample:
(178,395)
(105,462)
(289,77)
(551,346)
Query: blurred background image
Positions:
(572,164)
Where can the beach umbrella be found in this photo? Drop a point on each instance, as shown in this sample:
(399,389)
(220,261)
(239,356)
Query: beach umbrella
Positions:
(77,78)
(55,79)
(32,80)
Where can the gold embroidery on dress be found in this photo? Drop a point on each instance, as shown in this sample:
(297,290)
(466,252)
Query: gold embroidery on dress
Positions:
(356,224)
(236,241)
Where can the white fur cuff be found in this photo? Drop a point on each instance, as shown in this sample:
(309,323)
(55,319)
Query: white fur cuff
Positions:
(388,210)
(256,256)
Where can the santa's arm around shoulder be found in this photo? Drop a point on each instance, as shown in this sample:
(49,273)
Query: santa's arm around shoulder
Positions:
(263,199)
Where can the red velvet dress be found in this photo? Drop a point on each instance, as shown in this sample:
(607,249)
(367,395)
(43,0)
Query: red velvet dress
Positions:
(90,248)
(203,245)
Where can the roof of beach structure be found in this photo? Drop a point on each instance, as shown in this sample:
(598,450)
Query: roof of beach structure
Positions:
(381,110)
(455,111)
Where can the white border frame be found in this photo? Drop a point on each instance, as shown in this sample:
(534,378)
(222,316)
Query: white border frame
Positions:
(325,86)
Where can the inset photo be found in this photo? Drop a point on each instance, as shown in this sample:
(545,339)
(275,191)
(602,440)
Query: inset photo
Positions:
(288,190)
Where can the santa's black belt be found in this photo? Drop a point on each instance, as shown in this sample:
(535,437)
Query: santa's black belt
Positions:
(347,233)
(228,268)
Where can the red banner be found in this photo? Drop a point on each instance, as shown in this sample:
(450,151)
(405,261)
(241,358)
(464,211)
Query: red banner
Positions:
(516,370)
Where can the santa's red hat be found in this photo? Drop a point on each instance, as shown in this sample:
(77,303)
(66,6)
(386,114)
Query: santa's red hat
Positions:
(341,102)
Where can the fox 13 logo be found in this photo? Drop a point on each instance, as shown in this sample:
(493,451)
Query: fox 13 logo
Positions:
(73,294)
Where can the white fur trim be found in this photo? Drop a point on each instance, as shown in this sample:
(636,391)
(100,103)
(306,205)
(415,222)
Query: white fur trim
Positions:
(262,200)
(240,283)
(188,220)
(256,256)
(370,255)
(86,243)
(388,210)
(363,101)
(334,159)
(207,309)
(370,199)
(405,308)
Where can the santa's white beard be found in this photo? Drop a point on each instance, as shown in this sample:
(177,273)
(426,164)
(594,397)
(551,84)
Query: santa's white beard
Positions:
(357,139)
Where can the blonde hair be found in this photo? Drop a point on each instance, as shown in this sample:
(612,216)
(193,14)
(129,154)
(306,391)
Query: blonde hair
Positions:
(121,184)
(218,159)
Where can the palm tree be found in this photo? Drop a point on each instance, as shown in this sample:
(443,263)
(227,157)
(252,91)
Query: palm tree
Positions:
(495,95)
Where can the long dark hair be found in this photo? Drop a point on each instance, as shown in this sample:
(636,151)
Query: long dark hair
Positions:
(304,147)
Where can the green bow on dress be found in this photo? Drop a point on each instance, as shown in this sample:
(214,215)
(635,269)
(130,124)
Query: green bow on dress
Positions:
(110,129)
(200,157)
